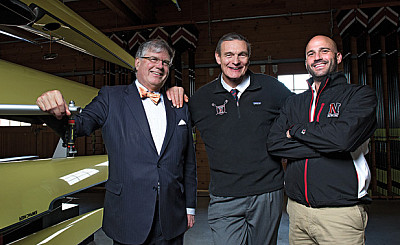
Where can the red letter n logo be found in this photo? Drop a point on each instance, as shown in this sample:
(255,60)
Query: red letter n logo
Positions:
(334,110)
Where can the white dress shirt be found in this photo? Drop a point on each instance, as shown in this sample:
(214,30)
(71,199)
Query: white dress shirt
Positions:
(156,117)
(313,106)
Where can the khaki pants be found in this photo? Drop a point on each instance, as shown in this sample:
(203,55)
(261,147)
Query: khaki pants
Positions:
(336,225)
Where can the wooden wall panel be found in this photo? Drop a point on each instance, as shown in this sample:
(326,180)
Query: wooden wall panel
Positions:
(11,144)
(278,37)
(35,140)
(46,141)
(41,141)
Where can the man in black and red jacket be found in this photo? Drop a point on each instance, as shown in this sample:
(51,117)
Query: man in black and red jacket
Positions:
(324,134)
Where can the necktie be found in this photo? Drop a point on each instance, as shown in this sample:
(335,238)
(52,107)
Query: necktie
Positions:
(234,93)
(151,95)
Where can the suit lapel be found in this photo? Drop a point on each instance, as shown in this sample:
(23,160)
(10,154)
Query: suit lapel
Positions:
(171,120)
(134,102)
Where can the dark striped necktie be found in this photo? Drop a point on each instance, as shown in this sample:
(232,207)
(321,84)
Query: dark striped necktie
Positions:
(234,93)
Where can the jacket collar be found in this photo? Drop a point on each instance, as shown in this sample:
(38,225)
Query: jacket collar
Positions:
(134,102)
(330,80)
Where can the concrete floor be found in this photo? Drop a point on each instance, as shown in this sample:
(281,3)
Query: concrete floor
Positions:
(383,224)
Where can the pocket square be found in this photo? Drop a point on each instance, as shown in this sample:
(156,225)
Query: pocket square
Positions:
(181,122)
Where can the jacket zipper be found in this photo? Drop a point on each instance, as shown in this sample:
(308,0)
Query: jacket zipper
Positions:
(319,112)
(238,109)
(305,182)
(312,119)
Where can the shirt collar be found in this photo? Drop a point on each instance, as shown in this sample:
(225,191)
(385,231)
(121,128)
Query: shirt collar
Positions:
(313,87)
(138,84)
(241,87)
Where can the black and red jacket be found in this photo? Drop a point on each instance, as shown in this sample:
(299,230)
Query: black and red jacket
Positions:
(326,164)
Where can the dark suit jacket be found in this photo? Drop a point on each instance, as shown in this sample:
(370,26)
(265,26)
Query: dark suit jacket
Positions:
(135,167)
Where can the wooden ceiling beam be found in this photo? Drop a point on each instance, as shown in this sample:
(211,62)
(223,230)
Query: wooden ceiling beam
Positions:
(370,5)
(121,10)
(151,26)
(142,8)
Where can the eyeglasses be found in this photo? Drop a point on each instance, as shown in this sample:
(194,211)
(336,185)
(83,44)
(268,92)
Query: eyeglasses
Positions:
(155,60)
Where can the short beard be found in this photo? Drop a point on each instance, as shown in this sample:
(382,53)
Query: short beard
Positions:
(322,77)
(315,77)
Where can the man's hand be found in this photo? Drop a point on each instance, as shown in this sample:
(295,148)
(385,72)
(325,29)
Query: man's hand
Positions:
(54,103)
(190,219)
(177,96)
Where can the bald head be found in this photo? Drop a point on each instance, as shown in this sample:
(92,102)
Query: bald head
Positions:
(322,40)
(322,57)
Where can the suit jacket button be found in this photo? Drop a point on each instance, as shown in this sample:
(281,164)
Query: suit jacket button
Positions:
(158,166)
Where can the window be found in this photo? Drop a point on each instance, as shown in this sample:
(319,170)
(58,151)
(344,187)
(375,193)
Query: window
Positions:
(5,122)
(296,82)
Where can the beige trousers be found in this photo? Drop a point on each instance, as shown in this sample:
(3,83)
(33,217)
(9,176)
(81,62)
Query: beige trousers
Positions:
(335,225)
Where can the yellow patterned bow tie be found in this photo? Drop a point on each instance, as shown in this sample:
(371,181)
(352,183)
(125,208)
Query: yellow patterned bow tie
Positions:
(151,95)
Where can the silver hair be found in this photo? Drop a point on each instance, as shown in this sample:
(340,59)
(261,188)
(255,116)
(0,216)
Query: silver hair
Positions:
(156,46)
(231,37)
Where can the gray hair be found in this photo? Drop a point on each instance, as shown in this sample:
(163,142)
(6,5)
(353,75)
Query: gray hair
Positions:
(231,37)
(156,46)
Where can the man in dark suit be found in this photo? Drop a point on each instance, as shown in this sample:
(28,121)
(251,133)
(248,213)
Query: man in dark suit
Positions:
(151,189)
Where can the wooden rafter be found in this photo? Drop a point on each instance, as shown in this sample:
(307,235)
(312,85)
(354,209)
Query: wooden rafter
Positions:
(121,10)
(141,8)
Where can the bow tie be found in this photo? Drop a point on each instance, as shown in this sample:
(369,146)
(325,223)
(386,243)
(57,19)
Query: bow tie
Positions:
(151,95)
